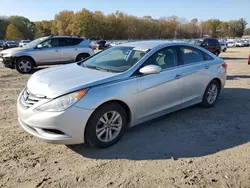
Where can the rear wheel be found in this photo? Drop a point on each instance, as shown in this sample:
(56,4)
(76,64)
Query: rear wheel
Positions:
(211,94)
(24,65)
(81,57)
(106,126)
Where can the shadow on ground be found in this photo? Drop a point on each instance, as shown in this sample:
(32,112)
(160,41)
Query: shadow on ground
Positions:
(192,132)
(234,58)
(235,77)
(37,69)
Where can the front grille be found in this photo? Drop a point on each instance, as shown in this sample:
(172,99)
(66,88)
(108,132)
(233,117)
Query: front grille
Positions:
(28,99)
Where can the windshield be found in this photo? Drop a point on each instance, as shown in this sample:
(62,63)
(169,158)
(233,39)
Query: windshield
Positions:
(115,59)
(34,43)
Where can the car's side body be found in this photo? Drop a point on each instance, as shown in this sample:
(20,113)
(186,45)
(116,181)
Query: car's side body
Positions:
(59,54)
(59,50)
(181,92)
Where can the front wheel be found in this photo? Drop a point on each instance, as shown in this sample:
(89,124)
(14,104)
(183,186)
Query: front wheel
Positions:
(211,94)
(106,126)
(24,65)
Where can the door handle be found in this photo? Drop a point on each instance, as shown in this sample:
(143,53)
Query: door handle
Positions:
(207,67)
(56,50)
(177,76)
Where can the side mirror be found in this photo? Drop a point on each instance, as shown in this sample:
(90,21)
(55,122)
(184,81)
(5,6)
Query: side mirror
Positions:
(150,69)
(39,46)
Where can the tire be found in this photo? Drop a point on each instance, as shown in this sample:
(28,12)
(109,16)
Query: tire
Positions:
(24,65)
(96,122)
(206,103)
(81,57)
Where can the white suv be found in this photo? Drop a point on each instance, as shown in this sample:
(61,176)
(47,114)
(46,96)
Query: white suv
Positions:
(223,46)
(47,51)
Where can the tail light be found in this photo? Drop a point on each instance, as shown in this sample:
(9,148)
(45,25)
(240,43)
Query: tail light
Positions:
(249,60)
(224,65)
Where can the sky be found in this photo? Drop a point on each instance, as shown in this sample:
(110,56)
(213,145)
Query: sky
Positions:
(225,10)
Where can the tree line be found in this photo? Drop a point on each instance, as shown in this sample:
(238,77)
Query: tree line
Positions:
(117,26)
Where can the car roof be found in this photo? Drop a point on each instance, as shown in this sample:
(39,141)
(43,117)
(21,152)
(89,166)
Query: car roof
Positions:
(75,37)
(147,44)
(153,44)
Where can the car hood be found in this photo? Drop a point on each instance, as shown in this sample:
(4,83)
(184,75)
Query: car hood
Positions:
(13,51)
(60,80)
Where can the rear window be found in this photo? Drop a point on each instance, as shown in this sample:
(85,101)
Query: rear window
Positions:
(191,55)
(213,42)
(207,57)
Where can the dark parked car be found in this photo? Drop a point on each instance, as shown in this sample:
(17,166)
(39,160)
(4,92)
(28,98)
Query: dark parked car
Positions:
(1,44)
(9,44)
(211,44)
(102,44)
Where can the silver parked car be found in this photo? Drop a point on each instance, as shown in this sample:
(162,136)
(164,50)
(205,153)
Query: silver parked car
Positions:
(46,51)
(22,43)
(97,99)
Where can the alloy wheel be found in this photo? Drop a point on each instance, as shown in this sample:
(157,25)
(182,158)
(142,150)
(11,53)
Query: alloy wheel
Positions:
(25,66)
(109,126)
(212,94)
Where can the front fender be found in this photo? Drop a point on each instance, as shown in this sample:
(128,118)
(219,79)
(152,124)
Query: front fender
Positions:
(21,54)
(124,91)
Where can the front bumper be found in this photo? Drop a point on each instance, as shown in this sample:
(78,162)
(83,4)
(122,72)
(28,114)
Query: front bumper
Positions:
(8,61)
(65,127)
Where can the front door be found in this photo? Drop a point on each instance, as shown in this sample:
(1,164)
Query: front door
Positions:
(49,53)
(159,92)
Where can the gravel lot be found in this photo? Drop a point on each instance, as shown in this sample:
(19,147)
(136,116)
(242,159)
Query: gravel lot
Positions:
(190,148)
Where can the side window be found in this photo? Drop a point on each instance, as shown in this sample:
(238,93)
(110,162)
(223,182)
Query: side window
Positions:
(69,41)
(51,43)
(191,55)
(165,58)
(216,42)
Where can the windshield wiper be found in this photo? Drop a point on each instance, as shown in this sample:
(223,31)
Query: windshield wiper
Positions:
(94,67)
(100,68)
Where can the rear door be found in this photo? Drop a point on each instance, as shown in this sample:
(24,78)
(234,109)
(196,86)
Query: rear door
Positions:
(159,92)
(195,73)
(69,49)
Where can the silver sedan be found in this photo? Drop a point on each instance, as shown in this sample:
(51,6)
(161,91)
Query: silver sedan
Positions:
(97,99)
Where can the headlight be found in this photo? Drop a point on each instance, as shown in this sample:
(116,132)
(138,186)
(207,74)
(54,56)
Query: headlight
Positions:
(63,102)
